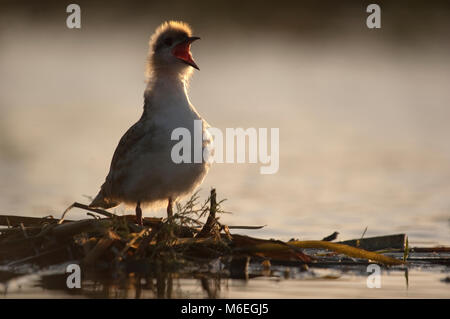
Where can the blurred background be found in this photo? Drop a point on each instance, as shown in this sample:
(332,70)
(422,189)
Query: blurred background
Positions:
(363,113)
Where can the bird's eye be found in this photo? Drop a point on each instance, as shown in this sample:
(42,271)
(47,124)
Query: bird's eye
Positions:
(168,42)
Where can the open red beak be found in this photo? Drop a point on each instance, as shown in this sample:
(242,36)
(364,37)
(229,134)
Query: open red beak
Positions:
(182,51)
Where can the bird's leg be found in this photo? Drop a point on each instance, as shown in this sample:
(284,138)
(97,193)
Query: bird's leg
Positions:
(170,209)
(139,214)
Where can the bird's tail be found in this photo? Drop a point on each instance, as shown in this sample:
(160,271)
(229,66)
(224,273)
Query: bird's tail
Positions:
(101,201)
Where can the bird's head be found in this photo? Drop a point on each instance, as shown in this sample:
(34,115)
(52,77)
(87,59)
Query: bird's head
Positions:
(170,48)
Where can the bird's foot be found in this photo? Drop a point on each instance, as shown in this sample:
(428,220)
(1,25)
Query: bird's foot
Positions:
(170,209)
(139,220)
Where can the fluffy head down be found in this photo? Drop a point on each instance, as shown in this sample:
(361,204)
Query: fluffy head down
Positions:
(161,46)
(174,30)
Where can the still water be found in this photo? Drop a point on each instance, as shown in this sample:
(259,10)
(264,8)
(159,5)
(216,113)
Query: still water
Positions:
(279,283)
(364,137)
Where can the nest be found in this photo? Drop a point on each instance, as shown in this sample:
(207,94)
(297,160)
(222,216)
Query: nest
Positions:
(192,241)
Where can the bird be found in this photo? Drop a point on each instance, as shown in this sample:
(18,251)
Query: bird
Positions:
(142,172)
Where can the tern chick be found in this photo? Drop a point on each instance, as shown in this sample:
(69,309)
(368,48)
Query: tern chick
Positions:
(142,171)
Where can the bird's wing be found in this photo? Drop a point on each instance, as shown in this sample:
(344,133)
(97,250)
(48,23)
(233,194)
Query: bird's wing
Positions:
(126,144)
(110,192)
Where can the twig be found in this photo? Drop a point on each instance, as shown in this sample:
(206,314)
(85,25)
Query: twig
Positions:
(12,221)
(132,241)
(246,227)
(211,222)
(86,207)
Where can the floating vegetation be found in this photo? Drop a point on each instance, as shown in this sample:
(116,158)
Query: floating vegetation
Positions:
(192,243)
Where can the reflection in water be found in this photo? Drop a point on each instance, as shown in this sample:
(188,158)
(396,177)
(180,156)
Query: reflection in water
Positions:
(282,282)
(162,286)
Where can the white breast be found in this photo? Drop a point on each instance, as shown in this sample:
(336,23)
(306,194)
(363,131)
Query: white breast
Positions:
(152,175)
